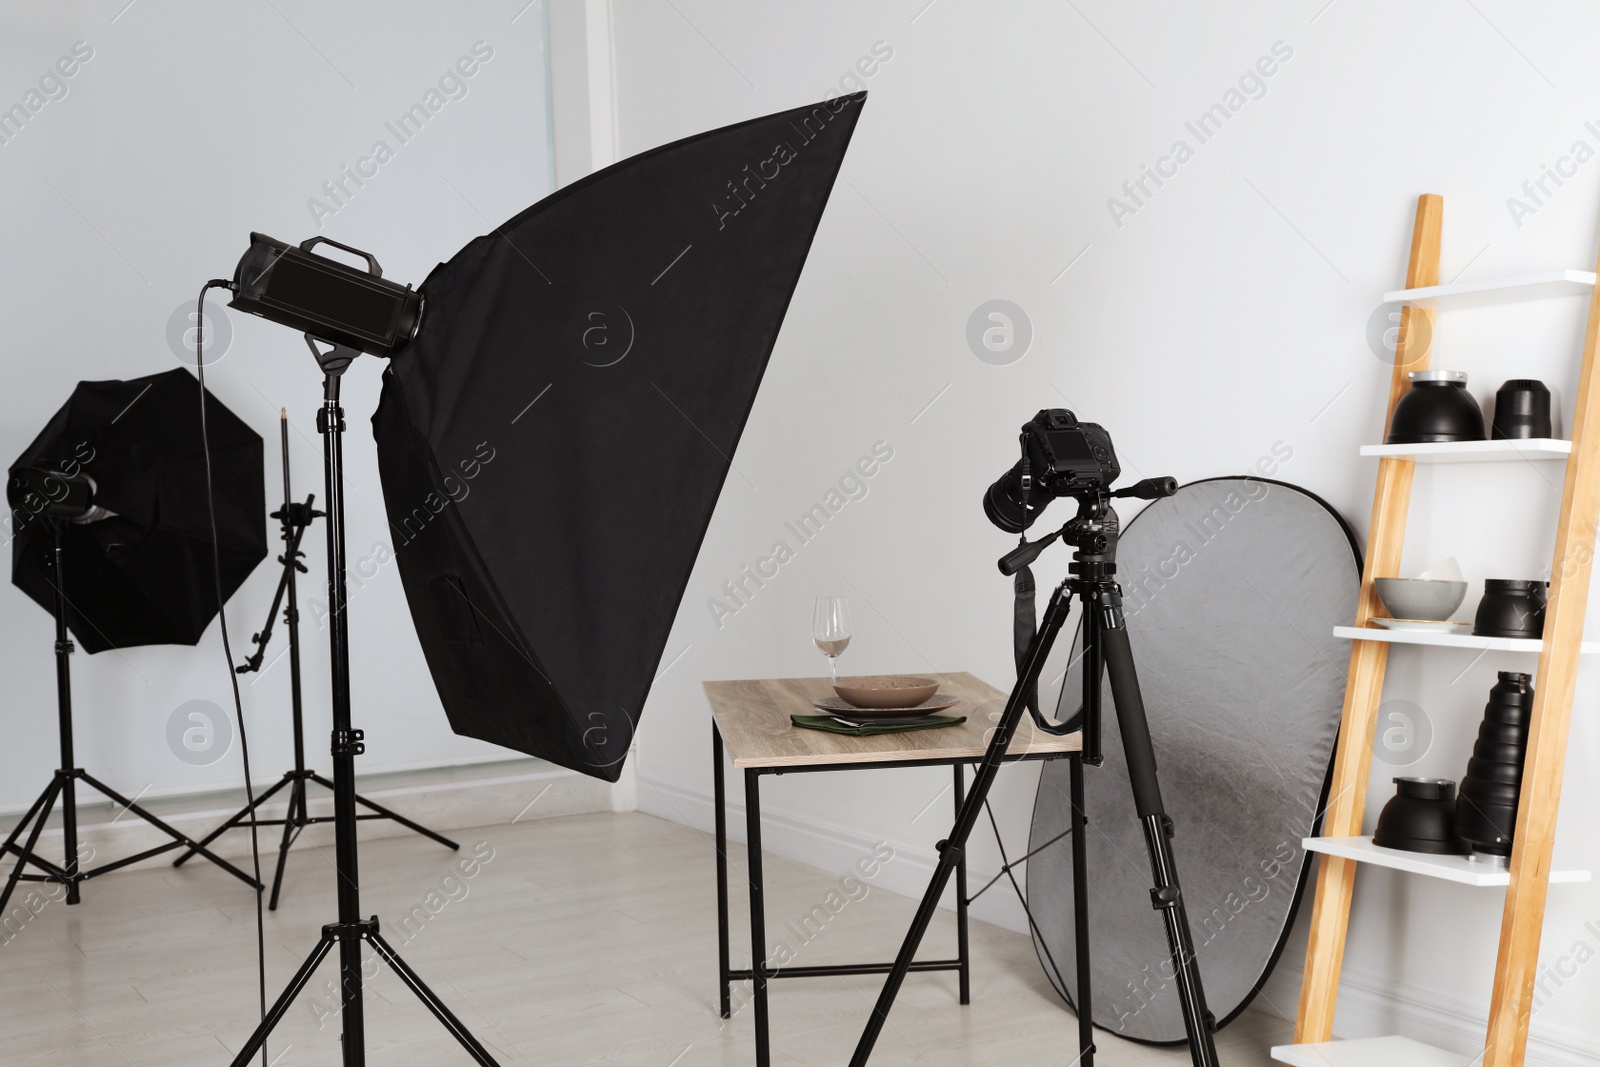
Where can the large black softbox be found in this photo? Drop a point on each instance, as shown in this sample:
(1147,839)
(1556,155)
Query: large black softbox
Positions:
(553,442)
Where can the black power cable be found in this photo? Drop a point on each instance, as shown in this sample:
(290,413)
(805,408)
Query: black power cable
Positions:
(227,648)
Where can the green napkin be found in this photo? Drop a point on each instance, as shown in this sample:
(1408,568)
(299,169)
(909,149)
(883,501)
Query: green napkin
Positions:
(834,726)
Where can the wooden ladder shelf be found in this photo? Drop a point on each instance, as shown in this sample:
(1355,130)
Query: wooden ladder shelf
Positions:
(1515,968)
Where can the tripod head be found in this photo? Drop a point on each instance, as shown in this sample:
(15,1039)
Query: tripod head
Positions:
(1093,530)
(1093,534)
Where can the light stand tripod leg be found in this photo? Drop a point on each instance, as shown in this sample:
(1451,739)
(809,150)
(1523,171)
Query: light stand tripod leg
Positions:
(433,1003)
(168,830)
(281,1005)
(27,817)
(1166,896)
(40,814)
(239,817)
(292,822)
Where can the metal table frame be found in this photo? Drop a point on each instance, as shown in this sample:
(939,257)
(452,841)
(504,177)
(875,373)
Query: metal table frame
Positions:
(759,973)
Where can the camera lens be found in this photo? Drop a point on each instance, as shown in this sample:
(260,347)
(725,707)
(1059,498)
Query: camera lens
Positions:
(1002,502)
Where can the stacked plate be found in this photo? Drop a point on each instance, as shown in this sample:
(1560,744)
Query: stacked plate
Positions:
(886,698)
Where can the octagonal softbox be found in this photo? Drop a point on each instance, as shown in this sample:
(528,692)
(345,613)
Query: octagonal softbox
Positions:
(1232,590)
(142,574)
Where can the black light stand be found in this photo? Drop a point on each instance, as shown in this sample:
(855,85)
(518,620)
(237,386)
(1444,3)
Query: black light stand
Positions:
(293,519)
(1093,534)
(63,784)
(350,929)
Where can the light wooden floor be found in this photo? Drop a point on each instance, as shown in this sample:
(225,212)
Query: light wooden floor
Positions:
(586,939)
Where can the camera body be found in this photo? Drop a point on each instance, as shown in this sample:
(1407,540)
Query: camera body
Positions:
(1060,457)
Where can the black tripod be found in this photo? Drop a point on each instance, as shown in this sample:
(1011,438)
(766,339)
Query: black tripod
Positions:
(63,786)
(350,929)
(1093,535)
(293,519)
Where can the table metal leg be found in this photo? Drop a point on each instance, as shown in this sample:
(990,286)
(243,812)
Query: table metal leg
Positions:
(722,872)
(961,901)
(1080,914)
(758,919)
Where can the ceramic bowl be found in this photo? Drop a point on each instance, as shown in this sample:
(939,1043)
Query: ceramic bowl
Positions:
(885,691)
(1418,598)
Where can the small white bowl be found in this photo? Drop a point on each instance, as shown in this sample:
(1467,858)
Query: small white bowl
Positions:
(1420,598)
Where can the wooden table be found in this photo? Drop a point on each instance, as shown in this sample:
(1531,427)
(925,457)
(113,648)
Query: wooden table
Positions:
(752,719)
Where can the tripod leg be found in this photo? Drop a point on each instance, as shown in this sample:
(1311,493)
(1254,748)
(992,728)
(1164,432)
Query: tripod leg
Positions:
(1084,1001)
(950,850)
(238,818)
(396,816)
(281,1005)
(433,1003)
(41,808)
(1166,897)
(169,831)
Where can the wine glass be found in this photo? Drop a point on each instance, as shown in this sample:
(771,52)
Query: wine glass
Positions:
(830,629)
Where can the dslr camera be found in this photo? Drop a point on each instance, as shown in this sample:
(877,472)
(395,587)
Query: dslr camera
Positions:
(1060,457)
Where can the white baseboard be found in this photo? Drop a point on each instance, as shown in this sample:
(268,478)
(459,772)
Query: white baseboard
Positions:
(442,799)
(831,847)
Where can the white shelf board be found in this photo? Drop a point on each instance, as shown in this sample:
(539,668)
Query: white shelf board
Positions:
(1369,1052)
(1540,286)
(1529,450)
(1450,868)
(1470,642)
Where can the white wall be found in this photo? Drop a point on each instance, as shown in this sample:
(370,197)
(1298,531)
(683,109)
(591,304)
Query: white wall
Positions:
(190,126)
(1229,312)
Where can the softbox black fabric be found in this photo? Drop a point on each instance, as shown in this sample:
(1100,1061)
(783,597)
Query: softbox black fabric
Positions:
(553,442)
(143,575)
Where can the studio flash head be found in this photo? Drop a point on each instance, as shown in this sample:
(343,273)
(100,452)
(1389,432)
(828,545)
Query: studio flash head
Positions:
(39,491)
(323,298)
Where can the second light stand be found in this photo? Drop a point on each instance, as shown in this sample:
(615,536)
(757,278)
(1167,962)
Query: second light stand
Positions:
(351,929)
(293,519)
